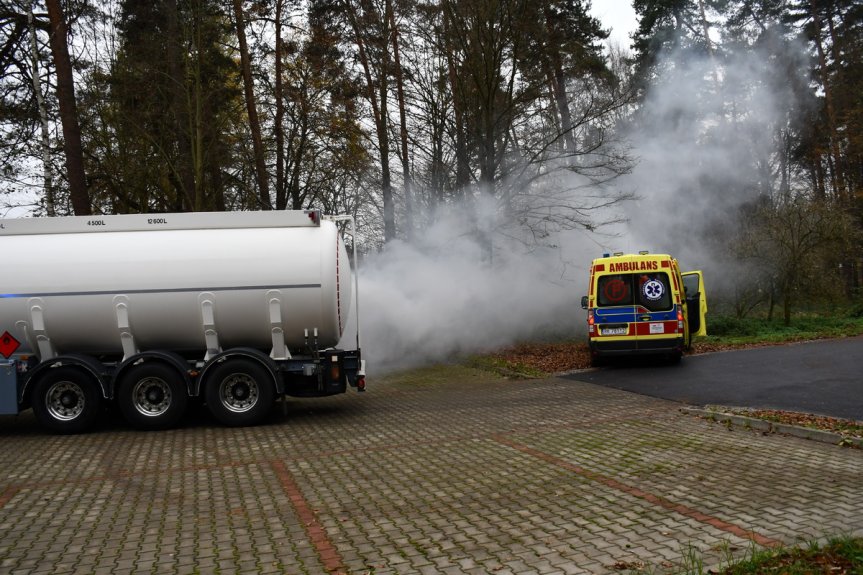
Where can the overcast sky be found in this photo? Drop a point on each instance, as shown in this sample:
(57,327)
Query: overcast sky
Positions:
(617,15)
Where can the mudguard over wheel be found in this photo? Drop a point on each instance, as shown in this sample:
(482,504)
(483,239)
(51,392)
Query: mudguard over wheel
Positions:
(239,391)
(152,395)
(67,400)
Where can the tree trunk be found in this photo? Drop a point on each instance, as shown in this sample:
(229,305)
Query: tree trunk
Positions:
(558,86)
(771,306)
(462,169)
(68,111)
(705,28)
(252,110)
(281,191)
(183,123)
(384,145)
(379,110)
(833,136)
(403,126)
(298,150)
(43,121)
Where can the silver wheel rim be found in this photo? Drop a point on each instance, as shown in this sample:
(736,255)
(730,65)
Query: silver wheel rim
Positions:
(151,396)
(65,400)
(238,392)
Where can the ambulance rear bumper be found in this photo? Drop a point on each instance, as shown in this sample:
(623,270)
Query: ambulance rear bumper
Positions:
(598,347)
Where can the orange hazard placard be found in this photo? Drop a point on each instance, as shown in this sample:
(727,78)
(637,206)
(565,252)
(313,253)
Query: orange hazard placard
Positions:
(8,344)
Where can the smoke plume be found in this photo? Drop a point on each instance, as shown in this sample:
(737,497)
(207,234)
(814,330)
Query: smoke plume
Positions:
(448,294)
(702,140)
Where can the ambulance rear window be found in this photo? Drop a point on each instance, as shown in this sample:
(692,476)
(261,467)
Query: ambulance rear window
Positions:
(649,290)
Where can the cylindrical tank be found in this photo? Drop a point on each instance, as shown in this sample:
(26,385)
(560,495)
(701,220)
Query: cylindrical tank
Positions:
(191,283)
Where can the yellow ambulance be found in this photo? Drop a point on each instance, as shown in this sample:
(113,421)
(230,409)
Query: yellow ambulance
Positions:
(642,304)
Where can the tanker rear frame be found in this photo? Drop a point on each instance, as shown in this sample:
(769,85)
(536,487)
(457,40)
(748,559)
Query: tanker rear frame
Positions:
(240,385)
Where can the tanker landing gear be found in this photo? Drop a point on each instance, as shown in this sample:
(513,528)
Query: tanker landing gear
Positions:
(66,400)
(152,396)
(239,392)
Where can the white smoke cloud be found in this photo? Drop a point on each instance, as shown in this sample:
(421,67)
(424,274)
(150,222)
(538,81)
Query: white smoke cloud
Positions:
(441,297)
(706,141)
(700,141)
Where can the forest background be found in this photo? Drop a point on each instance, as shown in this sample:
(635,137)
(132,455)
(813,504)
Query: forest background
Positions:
(478,143)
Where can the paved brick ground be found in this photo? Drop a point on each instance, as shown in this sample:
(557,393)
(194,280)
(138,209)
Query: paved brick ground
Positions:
(468,476)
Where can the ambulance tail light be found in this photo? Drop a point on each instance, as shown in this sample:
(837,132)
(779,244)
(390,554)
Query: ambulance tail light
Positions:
(679,320)
(591,327)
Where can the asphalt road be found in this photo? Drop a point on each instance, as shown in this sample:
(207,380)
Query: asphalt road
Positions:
(823,377)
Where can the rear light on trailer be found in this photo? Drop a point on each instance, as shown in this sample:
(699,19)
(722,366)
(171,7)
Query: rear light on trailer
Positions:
(361,383)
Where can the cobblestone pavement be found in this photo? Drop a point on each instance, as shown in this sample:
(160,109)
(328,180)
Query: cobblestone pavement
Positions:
(474,475)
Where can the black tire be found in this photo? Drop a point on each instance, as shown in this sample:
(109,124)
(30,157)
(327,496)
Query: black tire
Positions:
(597,361)
(239,392)
(152,395)
(67,400)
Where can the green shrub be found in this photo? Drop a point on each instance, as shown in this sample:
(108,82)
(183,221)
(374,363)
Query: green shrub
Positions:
(730,326)
(804,325)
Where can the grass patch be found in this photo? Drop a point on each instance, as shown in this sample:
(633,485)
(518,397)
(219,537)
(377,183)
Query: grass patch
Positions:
(840,556)
(503,366)
(804,326)
(438,374)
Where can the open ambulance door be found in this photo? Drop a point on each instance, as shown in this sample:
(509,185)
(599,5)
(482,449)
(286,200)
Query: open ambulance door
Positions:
(696,302)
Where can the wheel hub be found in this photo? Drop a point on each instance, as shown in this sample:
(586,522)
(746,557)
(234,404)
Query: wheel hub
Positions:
(239,392)
(152,396)
(68,399)
(65,401)
(155,395)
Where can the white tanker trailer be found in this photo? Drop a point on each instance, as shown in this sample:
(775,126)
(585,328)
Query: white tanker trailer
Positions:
(145,311)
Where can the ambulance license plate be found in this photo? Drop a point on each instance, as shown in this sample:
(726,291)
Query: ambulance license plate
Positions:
(615,331)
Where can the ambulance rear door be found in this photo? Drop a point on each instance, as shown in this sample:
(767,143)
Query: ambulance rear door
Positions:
(614,313)
(655,309)
(696,302)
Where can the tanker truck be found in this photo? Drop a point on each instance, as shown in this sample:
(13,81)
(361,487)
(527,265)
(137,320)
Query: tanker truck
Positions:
(144,313)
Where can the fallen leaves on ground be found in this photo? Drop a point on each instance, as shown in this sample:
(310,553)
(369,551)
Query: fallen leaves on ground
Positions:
(545,357)
(838,425)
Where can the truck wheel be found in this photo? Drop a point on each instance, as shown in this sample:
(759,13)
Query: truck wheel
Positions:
(239,392)
(152,396)
(66,400)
